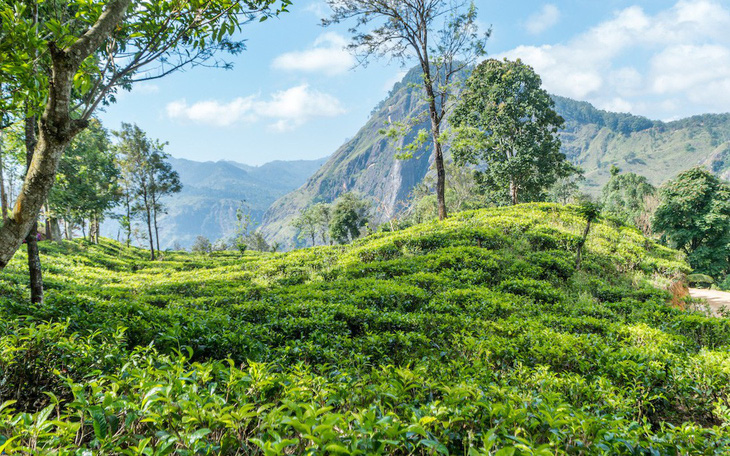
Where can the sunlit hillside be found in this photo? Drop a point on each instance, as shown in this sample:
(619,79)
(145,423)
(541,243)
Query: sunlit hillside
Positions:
(473,336)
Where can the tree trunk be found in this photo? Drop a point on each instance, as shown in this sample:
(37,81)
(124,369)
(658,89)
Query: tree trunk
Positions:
(149,225)
(35,272)
(154,219)
(513,191)
(581,244)
(3,195)
(54,230)
(129,220)
(438,155)
(67,232)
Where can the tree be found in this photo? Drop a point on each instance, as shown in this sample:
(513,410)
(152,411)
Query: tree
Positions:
(148,177)
(313,221)
(201,245)
(163,181)
(403,29)
(349,215)
(624,195)
(505,120)
(566,190)
(694,215)
(87,180)
(85,52)
(590,212)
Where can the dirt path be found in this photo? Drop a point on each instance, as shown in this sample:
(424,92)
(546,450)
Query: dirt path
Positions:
(716,300)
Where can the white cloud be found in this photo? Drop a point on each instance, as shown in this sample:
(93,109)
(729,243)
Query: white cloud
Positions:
(327,55)
(318,8)
(287,109)
(542,20)
(637,60)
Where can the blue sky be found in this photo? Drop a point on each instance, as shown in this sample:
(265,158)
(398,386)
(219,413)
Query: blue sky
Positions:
(293,94)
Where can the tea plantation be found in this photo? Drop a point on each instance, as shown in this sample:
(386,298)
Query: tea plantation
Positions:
(475,336)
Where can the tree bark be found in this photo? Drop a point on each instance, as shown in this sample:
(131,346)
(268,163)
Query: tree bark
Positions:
(57,128)
(581,244)
(154,219)
(35,273)
(129,219)
(149,224)
(438,155)
(513,192)
(3,195)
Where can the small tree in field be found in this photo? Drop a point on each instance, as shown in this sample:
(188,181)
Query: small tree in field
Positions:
(202,245)
(441,35)
(507,121)
(349,216)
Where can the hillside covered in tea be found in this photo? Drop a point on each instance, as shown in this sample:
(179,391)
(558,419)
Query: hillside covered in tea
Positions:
(475,336)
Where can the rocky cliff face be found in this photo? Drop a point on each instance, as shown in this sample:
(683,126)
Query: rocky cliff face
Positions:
(592,139)
(366,164)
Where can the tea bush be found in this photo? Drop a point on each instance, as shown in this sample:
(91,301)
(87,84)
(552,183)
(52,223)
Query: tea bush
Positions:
(473,336)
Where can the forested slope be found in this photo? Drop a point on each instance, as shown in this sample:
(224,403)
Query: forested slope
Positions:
(463,337)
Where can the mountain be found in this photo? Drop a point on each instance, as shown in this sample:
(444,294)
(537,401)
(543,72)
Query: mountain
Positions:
(596,139)
(365,164)
(592,138)
(213,191)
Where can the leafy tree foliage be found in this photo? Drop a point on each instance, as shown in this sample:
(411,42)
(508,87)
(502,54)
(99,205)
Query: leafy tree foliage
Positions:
(401,30)
(506,120)
(147,178)
(349,216)
(202,245)
(72,56)
(86,184)
(314,221)
(625,194)
(694,215)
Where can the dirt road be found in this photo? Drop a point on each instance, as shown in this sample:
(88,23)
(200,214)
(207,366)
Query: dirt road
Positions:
(716,300)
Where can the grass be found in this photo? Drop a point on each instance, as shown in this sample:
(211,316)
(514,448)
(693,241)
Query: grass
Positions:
(472,336)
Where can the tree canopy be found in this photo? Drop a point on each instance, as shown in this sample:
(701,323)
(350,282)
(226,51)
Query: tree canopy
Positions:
(624,195)
(694,215)
(72,56)
(507,121)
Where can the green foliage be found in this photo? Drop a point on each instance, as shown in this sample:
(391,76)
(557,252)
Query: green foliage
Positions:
(694,215)
(472,336)
(625,195)
(349,215)
(505,120)
(202,245)
(87,179)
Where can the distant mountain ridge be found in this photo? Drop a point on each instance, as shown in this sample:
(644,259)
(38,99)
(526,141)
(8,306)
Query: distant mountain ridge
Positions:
(213,191)
(592,138)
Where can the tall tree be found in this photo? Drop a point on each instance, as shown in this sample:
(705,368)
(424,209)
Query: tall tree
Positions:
(694,215)
(85,52)
(403,30)
(163,181)
(135,150)
(506,120)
